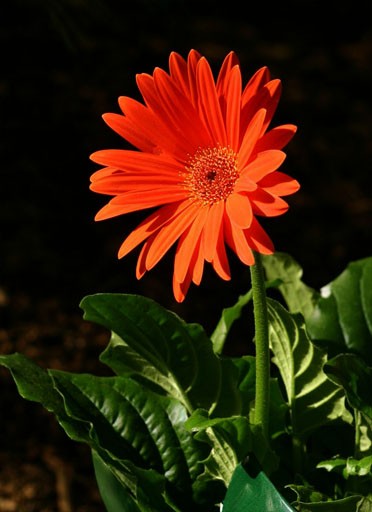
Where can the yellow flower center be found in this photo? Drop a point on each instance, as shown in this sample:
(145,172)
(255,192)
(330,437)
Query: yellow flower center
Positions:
(212,174)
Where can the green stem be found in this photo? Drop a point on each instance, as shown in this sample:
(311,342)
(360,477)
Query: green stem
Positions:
(262,346)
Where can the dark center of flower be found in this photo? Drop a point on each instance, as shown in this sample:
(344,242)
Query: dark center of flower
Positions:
(211,174)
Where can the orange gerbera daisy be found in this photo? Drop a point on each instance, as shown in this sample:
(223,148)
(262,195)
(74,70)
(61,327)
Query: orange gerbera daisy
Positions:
(207,164)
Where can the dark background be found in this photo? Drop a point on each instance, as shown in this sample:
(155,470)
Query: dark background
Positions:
(63,64)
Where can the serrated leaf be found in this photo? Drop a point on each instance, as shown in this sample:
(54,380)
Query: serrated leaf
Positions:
(342,318)
(299,297)
(313,399)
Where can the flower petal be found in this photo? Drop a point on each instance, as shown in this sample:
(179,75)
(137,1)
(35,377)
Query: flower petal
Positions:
(172,142)
(245,184)
(250,137)
(180,112)
(258,80)
(220,262)
(169,234)
(187,243)
(137,129)
(194,273)
(267,97)
(276,138)
(279,184)
(264,163)
(237,241)
(266,204)
(239,210)
(128,160)
(208,103)
(258,239)
(178,72)
(212,229)
(233,107)
(138,200)
(150,225)
(229,62)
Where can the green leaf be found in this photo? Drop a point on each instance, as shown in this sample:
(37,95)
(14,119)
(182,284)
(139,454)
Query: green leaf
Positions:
(352,373)
(336,464)
(230,440)
(255,493)
(114,495)
(321,503)
(153,345)
(138,434)
(313,399)
(35,384)
(358,467)
(230,315)
(299,297)
(342,318)
(132,423)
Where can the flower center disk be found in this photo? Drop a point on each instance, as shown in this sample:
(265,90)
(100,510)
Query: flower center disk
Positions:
(211,174)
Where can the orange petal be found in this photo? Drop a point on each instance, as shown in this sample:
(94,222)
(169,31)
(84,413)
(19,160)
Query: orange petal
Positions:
(230,61)
(250,137)
(119,182)
(141,262)
(279,184)
(180,289)
(245,184)
(267,97)
(192,63)
(258,239)
(134,129)
(208,103)
(237,241)
(264,163)
(128,160)
(187,243)
(212,229)
(150,225)
(276,138)
(197,264)
(267,205)
(220,262)
(239,210)
(169,233)
(179,112)
(194,273)
(178,72)
(233,107)
(258,80)
(171,140)
(139,200)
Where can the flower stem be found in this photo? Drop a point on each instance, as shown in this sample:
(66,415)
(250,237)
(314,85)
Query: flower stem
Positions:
(262,346)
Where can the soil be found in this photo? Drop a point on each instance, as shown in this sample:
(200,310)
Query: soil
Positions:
(64,64)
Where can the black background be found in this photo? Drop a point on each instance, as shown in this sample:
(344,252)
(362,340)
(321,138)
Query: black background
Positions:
(65,63)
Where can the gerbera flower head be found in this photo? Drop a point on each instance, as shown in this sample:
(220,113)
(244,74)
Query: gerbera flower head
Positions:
(205,163)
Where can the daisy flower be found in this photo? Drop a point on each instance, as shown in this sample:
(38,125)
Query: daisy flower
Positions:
(205,163)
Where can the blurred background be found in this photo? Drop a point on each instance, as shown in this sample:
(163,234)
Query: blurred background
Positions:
(63,64)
